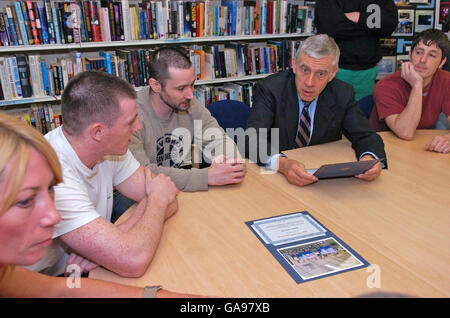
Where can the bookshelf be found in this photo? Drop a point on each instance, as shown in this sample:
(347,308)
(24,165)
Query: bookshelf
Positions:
(414,16)
(270,27)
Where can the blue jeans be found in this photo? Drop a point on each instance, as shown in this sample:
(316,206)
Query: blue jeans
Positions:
(120,204)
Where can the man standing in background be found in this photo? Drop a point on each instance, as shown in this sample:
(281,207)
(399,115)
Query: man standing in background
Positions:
(357,26)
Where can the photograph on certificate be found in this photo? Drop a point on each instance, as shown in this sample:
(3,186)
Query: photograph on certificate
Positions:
(319,258)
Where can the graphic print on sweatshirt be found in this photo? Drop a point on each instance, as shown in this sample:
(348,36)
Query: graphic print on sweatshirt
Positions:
(169,150)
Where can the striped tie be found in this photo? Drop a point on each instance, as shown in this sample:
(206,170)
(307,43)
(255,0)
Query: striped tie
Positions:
(304,127)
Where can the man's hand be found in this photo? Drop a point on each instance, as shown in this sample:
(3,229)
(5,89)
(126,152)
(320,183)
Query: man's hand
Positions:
(162,190)
(225,171)
(353,16)
(295,172)
(84,264)
(410,75)
(372,173)
(439,144)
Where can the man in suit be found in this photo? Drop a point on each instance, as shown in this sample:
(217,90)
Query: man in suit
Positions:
(330,111)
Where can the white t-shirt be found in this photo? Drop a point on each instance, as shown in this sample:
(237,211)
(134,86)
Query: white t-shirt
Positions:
(85,194)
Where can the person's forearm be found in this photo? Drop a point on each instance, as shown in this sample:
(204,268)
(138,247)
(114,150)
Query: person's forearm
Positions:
(138,210)
(407,121)
(28,284)
(144,237)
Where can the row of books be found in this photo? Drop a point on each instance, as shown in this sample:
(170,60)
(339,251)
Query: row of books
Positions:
(240,91)
(242,59)
(58,22)
(33,75)
(43,117)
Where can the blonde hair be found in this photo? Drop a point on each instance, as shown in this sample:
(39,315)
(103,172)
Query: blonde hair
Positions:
(16,138)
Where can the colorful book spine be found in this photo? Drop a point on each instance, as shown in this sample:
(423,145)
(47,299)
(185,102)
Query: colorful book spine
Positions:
(3,31)
(24,75)
(44,25)
(45,80)
(93,12)
(108,64)
(49,17)
(33,24)
(56,27)
(21,21)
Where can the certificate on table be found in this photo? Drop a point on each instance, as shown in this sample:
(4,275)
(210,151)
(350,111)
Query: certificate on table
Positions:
(304,247)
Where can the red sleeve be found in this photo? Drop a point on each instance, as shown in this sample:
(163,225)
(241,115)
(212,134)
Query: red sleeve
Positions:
(446,102)
(390,95)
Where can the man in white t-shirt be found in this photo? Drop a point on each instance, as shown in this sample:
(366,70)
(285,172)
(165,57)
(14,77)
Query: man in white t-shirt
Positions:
(100,116)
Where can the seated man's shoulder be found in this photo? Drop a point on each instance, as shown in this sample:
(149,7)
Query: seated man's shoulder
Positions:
(391,80)
(340,89)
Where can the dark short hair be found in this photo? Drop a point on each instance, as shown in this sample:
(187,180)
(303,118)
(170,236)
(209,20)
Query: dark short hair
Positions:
(93,96)
(165,57)
(432,36)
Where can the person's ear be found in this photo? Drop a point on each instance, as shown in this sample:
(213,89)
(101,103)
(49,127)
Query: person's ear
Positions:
(97,131)
(333,74)
(294,65)
(443,62)
(155,85)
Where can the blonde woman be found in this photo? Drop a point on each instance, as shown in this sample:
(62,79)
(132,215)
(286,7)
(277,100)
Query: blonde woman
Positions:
(29,169)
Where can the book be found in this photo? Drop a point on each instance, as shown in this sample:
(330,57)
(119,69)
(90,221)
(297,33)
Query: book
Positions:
(33,23)
(3,31)
(44,25)
(4,79)
(21,22)
(93,14)
(108,64)
(14,78)
(343,170)
(36,75)
(50,24)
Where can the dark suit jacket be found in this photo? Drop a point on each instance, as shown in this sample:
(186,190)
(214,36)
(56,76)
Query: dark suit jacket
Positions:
(275,105)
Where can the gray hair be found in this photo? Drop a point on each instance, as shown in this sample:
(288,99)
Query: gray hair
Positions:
(318,47)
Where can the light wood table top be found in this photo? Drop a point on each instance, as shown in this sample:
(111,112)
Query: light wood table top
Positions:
(400,222)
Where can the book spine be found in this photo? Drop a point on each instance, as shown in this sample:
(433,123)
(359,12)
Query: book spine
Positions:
(126,20)
(14,77)
(4,78)
(33,24)
(21,21)
(24,75)
(9,21)
(44,25)
(16,25)
(45,80)
(93,11)
(87,18)
(58,38)
(74,11)
(27,23)
(108,64)
(117,22)
(38,21)
(51,26)
(3,31)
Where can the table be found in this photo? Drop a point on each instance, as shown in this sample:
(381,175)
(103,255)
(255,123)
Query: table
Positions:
(400,222)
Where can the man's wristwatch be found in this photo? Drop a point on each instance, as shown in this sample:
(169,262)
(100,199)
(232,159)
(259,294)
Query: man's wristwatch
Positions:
(150,291)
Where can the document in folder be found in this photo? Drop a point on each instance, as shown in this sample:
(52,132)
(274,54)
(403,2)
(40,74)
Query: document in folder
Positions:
(342,170)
